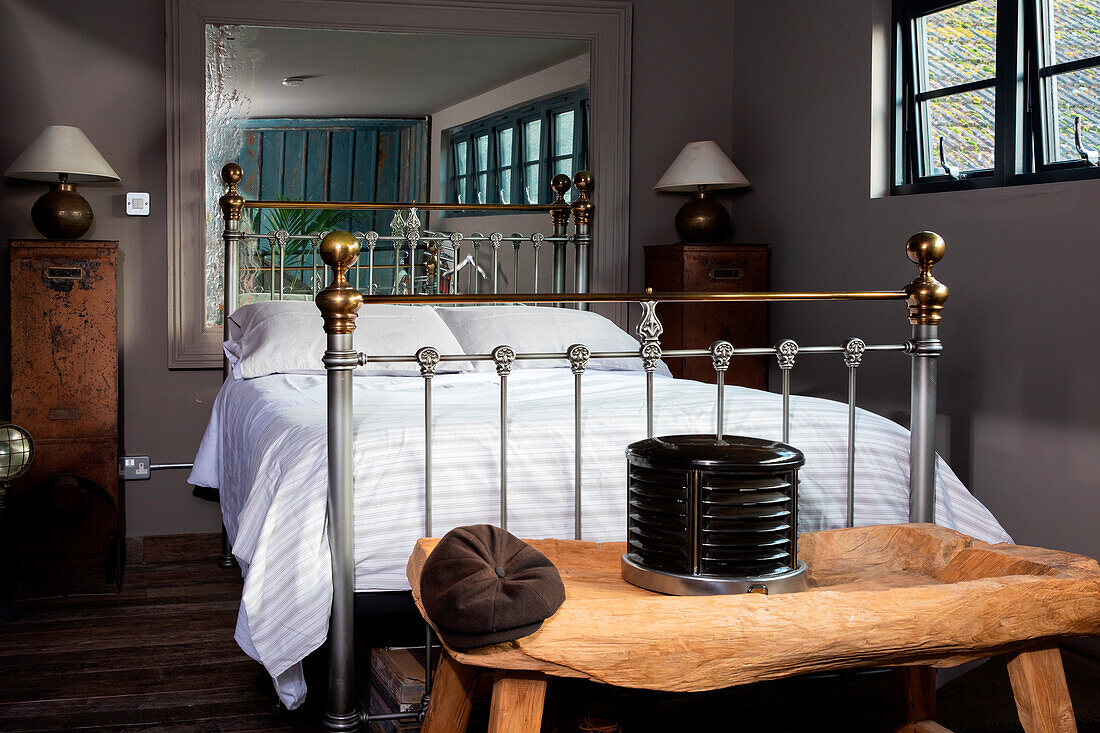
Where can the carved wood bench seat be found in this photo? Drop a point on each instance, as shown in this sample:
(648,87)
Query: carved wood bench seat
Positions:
(909,596)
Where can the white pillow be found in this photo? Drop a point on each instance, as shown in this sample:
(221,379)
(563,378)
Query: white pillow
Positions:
(527,329)
(288,337)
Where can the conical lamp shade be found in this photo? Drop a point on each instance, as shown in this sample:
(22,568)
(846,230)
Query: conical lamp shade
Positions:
(61,149)
(701,164)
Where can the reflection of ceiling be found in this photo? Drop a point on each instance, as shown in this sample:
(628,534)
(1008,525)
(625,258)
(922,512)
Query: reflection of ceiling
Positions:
(386,74)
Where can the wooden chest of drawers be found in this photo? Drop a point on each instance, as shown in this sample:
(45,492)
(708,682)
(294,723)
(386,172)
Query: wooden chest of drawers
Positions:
(712,268)
(68,509)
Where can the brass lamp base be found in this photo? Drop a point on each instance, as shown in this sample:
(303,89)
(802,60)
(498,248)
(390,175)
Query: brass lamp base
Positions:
(702,219)
(62,213)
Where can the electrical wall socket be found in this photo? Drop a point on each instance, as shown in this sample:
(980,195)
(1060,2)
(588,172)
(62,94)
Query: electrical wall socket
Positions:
(133,468)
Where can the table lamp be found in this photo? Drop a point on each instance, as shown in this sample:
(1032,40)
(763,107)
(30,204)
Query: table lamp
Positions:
(702,167)
(63,155)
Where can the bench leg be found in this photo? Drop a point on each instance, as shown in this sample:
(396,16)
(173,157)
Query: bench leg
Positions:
(517,702)
(452,689)
(917,686)
(1039,686)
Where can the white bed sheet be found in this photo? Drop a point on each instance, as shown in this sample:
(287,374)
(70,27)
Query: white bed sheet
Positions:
(265,450)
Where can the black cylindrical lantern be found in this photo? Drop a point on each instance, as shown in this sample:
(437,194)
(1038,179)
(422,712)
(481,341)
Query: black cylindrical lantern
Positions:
(712,517)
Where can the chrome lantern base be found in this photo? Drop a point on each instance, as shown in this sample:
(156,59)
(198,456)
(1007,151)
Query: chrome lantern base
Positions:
(682,584)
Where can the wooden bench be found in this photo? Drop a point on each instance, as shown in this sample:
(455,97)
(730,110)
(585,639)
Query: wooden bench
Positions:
(909,596)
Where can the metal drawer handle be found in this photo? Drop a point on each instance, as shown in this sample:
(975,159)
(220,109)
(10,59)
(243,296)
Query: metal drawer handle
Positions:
(64,413)
(65,273)
(726,273)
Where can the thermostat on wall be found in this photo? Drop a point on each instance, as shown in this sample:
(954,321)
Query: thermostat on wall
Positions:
(137,204)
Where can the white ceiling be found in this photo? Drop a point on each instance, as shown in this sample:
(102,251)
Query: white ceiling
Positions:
(363,73)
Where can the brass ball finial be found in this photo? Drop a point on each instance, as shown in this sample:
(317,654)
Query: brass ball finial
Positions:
(926,295)
(583,206)
(339,301)
(339,249)
(583,181)
(561,184)
(232,174)
(925,249)
(231,202)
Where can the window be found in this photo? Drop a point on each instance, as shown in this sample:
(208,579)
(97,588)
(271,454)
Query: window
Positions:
(532,160)
(458,169)
(995,92)
(514,154)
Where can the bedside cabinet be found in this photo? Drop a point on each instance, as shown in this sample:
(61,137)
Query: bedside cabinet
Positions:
(67,510)
(712,268)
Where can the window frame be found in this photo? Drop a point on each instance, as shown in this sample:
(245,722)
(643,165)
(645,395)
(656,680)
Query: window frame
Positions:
(516,118)
(1018,115)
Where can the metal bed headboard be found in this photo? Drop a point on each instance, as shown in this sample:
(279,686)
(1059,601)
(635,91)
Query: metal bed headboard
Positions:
(420,262)
(340,301)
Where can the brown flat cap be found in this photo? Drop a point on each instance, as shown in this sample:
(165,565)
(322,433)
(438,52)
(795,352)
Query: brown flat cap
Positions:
(482,585)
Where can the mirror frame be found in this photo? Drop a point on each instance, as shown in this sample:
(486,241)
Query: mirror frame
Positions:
(605,25)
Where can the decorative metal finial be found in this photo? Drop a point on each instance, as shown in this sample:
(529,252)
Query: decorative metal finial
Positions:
(578,358)
(926,295)
(561,184)
(339,302)
(720,354)
(649,333)
(232,202)
(583,207)
(427,358)
(785,352)
(504,356)
(853,352)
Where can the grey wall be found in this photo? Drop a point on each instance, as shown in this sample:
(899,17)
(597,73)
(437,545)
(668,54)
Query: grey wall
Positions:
(1018,378)
(100,66)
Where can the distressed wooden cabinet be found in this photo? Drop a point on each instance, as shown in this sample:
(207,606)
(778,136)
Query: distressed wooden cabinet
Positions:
(712,268)
(67,511)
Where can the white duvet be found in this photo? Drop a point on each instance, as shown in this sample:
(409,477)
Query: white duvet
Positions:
(265,449)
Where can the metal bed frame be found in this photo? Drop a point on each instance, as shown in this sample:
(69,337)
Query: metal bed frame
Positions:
(340,301)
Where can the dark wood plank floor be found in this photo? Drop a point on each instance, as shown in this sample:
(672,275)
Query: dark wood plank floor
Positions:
(160,655)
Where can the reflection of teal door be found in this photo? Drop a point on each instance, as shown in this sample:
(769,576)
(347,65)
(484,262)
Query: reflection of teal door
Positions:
(372,160)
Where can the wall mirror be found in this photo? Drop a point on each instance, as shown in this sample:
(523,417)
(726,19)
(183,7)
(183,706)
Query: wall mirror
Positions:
(371,100)
(365,116)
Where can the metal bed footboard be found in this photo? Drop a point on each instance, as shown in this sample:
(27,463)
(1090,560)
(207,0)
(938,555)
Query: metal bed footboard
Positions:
(339,302)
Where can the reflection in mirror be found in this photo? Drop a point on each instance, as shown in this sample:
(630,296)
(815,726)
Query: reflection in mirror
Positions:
(338,115)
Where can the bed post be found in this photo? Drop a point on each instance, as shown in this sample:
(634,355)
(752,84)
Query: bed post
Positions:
(339,303)
(925,297)
(559,215)
(583,209)
(231,202)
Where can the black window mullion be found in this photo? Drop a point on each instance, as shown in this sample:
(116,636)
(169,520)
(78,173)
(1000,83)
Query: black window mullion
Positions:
(517,161)
(492,196)
(970,86)
(1033,93)
(1066,67)
(1006,111)
(545,149)
(471,172)
(579,124)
